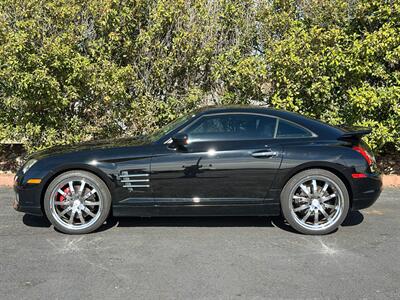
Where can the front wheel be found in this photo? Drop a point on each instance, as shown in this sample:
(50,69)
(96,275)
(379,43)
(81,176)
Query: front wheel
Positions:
(315,202)
(77,202)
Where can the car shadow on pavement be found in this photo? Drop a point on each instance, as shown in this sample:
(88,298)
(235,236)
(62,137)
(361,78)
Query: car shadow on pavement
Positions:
(352,219)
(189,222)
(35,221)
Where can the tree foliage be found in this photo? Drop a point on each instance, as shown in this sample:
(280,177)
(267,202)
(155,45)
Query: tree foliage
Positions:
(73,70)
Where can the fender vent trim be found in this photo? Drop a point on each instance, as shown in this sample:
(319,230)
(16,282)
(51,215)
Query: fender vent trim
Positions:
(134,180)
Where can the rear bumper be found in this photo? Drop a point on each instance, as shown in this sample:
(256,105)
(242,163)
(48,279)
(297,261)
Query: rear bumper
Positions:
(366,191)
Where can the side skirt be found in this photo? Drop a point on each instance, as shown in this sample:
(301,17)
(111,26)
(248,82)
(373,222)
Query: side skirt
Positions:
(193,207)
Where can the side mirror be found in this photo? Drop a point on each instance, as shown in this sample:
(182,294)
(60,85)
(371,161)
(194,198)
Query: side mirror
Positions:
(180,140)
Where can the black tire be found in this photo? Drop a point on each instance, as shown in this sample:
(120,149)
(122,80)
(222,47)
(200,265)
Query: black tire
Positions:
(296,218)
(101,200)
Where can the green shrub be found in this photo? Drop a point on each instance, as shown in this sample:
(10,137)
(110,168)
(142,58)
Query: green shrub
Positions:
(76,70)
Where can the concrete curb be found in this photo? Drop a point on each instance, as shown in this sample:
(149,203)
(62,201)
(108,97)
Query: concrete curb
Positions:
(391,180)
(7,180)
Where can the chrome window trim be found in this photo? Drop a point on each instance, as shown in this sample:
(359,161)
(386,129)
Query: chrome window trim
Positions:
(232,113)
(313,135)
(276,128)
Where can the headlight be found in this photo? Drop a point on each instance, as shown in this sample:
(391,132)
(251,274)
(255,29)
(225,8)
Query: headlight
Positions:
(28,165)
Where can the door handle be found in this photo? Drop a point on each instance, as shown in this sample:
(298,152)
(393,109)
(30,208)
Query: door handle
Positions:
(265,154)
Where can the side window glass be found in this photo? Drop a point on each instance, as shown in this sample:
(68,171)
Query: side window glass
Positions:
(291,130)
(233,127)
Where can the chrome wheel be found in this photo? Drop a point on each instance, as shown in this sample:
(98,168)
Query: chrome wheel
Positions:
(316,202)
(75,203)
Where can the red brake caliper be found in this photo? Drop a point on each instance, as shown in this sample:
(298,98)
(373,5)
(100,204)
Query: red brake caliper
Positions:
(61,197)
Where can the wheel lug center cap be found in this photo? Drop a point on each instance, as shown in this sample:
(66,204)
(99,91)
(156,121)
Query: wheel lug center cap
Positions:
(315,203)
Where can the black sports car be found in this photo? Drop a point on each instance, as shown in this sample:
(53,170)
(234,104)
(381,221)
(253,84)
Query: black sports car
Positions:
(213,162)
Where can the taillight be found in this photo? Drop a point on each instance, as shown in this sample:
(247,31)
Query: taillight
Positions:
(365,154)
(358,175)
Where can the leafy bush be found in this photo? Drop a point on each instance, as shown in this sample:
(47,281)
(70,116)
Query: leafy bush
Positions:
(76,70)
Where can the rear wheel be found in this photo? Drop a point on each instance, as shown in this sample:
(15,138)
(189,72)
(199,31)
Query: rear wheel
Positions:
(77,202)
(315,202)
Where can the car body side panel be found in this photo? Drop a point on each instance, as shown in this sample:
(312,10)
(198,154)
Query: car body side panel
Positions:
(214,177)
(121,163)
(215,170)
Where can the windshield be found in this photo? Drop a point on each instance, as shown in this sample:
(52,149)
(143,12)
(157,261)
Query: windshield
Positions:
(170,126)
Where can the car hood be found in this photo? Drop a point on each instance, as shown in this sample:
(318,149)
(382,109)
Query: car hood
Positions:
(92,145)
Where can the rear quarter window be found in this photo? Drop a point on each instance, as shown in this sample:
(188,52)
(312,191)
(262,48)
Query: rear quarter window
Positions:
(291,130)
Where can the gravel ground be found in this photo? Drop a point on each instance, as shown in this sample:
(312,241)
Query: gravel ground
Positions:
(201,258)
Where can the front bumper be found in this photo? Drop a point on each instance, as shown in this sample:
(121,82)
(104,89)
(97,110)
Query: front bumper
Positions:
(366,191)
(27,198)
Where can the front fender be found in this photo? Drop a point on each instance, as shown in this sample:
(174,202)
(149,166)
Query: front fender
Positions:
(32,195)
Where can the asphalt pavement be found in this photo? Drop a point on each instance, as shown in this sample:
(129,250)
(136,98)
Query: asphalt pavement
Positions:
(202,258)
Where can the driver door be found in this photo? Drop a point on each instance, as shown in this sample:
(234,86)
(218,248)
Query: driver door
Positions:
(232,159)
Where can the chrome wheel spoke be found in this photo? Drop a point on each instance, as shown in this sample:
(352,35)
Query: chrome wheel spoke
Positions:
(71,217)
(83,183)
(331,196)
(323,211)
(302,207)
(81,217)
(61,192)
(305,218)
(88,195)
(65,211)
(71,188)
(330,206)
(314,186)
(87,210)
(305,190)
(316,217)
(91,203)
(62,202)
(305,199)
(326,185)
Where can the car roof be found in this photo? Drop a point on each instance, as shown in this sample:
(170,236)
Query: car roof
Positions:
(323,130)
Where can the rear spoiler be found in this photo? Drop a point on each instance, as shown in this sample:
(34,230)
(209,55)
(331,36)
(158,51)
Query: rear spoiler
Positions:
(354,132)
